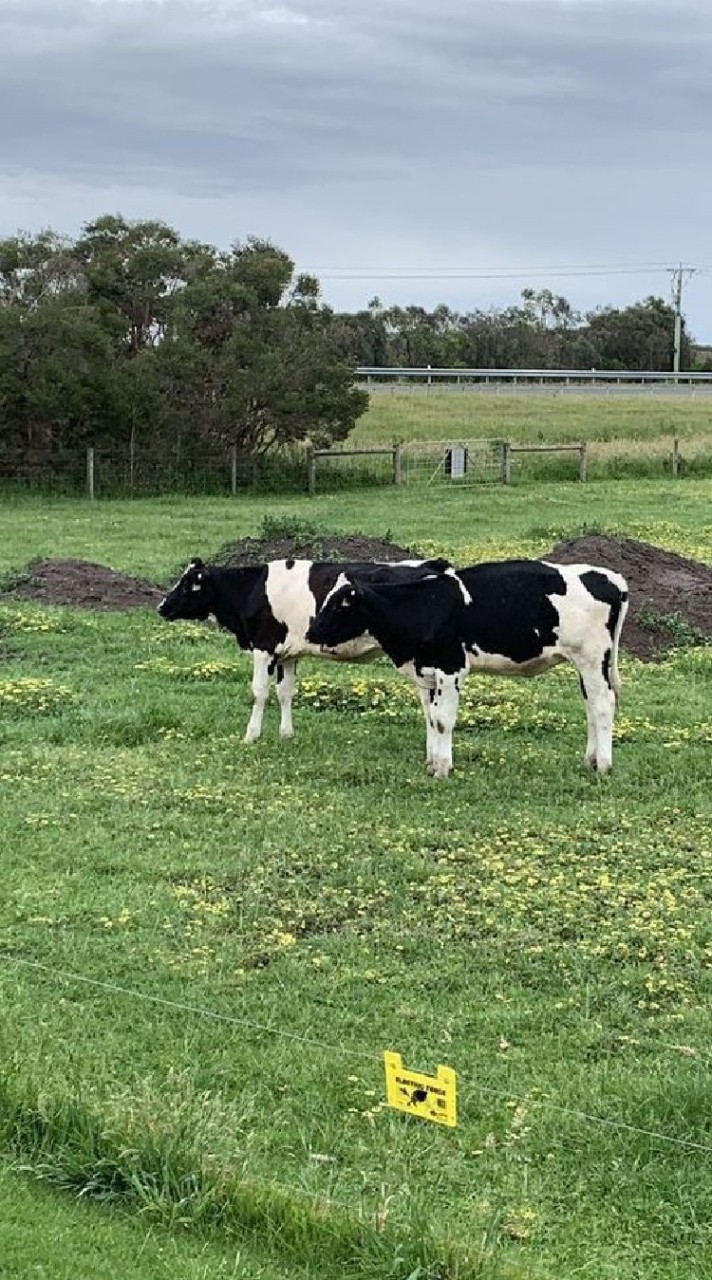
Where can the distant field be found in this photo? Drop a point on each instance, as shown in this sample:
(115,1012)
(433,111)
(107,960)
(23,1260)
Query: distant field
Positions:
(206,947)
(525,418)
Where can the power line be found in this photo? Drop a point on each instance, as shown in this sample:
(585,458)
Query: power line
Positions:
(485,273)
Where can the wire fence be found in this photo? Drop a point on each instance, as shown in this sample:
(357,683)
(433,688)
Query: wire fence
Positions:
(372,1055)
(456,463)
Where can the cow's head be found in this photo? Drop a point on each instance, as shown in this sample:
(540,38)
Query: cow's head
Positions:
(192,596)
(342,617)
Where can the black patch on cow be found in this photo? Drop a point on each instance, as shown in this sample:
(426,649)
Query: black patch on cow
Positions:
(411,620)
(606,668)
(583,688)
(512,613)
(280,672)
(289,564)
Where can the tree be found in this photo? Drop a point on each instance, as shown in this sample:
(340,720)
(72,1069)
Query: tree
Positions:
(59,385)
(251,357)
(132,273)
(132,329)
(635,337)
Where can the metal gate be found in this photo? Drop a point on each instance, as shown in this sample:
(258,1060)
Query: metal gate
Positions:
(451,463)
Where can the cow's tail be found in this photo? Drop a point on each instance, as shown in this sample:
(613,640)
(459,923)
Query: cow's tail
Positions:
(619,610)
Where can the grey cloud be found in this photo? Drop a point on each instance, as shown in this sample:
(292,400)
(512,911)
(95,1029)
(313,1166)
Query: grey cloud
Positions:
(567,130)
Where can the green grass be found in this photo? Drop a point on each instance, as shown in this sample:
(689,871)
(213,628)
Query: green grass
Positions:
(154,538)
(557,418)
(52,1237)
(208,947)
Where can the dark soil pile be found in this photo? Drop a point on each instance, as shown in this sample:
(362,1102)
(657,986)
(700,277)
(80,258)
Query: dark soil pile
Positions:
(310,546)
(82,585)
(670,596)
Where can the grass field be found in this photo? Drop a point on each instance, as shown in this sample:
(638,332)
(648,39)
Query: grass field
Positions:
(548,416)
(206,948)
(626,435)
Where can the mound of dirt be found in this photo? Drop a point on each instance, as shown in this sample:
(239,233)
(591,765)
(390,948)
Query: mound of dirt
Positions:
(355,546)
(82,585)
(670,596)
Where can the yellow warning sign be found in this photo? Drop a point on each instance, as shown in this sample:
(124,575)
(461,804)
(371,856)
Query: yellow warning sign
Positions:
(429,1097)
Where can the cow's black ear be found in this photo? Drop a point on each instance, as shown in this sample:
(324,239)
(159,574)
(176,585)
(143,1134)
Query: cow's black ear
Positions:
(196,563)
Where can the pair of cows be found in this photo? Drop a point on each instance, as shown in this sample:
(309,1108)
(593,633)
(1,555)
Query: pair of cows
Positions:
(435,623)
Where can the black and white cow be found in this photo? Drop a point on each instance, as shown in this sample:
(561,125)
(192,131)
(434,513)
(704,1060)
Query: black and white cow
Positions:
(268,608)
(517,617)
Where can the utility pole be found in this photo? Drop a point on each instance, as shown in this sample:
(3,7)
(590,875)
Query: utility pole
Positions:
(677,277)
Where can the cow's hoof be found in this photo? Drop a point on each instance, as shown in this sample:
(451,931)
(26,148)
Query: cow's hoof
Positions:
(250,737)
(601,767)
(440,771)
(286,733)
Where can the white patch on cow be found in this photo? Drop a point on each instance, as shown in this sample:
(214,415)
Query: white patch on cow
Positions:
(293,603)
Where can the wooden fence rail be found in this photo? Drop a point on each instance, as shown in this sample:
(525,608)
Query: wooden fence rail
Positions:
(393,451)
(508,449)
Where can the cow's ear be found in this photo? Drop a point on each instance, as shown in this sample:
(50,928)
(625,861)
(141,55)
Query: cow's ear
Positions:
(196,563)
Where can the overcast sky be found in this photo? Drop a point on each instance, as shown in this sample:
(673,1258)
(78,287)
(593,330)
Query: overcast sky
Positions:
(405,144)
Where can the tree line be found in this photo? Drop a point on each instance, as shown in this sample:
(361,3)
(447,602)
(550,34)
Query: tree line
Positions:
(130,333)
(543,331)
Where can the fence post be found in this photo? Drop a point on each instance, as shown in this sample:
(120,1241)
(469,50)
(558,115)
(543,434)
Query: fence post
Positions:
(233,469)
(90,471)
(397,471)
(506,462)
(676,457)
(583,461)
(311,472)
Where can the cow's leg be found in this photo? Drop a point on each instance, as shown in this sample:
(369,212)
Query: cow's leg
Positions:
(600,709)
(443,715)
(286,679)
(425,693)
(590,756)
(261,671)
